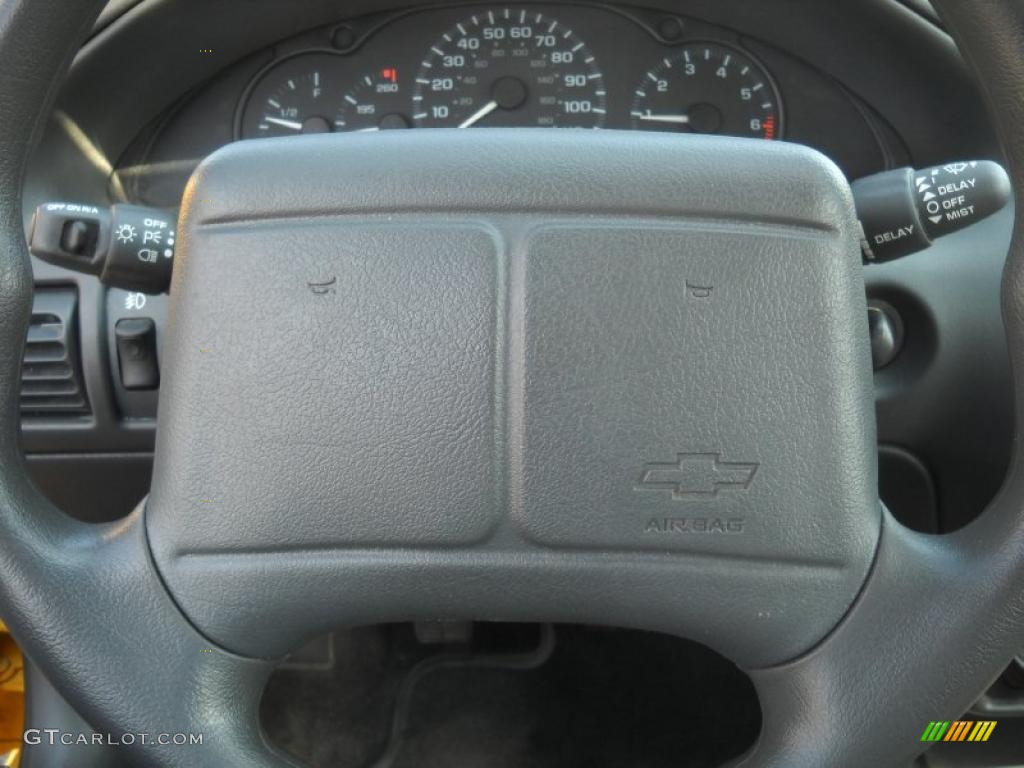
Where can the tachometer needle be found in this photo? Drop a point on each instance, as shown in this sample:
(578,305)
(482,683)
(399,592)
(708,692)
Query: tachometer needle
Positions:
(295,126)
(480,114)
(680,119)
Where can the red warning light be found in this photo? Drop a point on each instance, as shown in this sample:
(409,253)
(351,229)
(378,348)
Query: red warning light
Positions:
(769,127)
(390,74)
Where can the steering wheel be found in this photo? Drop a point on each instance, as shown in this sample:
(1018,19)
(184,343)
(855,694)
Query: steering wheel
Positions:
(548,376)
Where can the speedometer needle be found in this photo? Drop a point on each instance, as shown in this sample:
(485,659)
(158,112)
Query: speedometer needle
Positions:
(295,126)
(681,119)
(480,114)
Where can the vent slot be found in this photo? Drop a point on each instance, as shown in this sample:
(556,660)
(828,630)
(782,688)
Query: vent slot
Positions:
(51,373)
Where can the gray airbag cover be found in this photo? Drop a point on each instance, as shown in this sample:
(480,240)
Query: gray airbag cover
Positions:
(483,376)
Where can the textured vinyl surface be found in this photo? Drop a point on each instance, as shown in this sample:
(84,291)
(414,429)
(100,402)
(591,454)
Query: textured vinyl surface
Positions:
(665,374)
(325,412)
(498,380)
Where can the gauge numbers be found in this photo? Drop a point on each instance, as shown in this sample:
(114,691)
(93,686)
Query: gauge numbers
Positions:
(296,106)
(311,93)
(513,66)
(708,88)
(375,103)
(509,67)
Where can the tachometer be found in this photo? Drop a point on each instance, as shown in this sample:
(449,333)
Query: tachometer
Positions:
(708,88)
(509,67)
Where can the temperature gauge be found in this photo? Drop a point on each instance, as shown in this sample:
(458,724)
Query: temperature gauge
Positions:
(375,103)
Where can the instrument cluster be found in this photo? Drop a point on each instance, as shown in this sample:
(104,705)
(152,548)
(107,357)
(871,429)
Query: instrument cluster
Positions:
(572,66)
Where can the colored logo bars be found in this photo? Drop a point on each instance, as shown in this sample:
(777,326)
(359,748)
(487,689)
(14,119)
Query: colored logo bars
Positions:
(958,730)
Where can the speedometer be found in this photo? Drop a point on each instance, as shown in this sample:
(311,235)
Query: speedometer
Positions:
(509,67)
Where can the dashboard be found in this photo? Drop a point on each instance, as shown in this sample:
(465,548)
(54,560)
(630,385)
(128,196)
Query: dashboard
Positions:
(873,84)
(580,66)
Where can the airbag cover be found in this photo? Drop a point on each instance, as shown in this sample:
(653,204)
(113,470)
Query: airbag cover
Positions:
(550,375)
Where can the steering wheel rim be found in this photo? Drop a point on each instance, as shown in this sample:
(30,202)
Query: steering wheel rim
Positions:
(857,698)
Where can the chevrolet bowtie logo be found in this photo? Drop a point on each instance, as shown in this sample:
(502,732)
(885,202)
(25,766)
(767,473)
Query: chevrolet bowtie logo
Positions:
(696,475)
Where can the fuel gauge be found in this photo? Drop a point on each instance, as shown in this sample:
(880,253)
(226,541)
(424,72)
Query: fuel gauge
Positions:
(299,95)
(375,103)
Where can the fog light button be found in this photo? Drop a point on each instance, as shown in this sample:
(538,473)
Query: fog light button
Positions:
(136,353)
